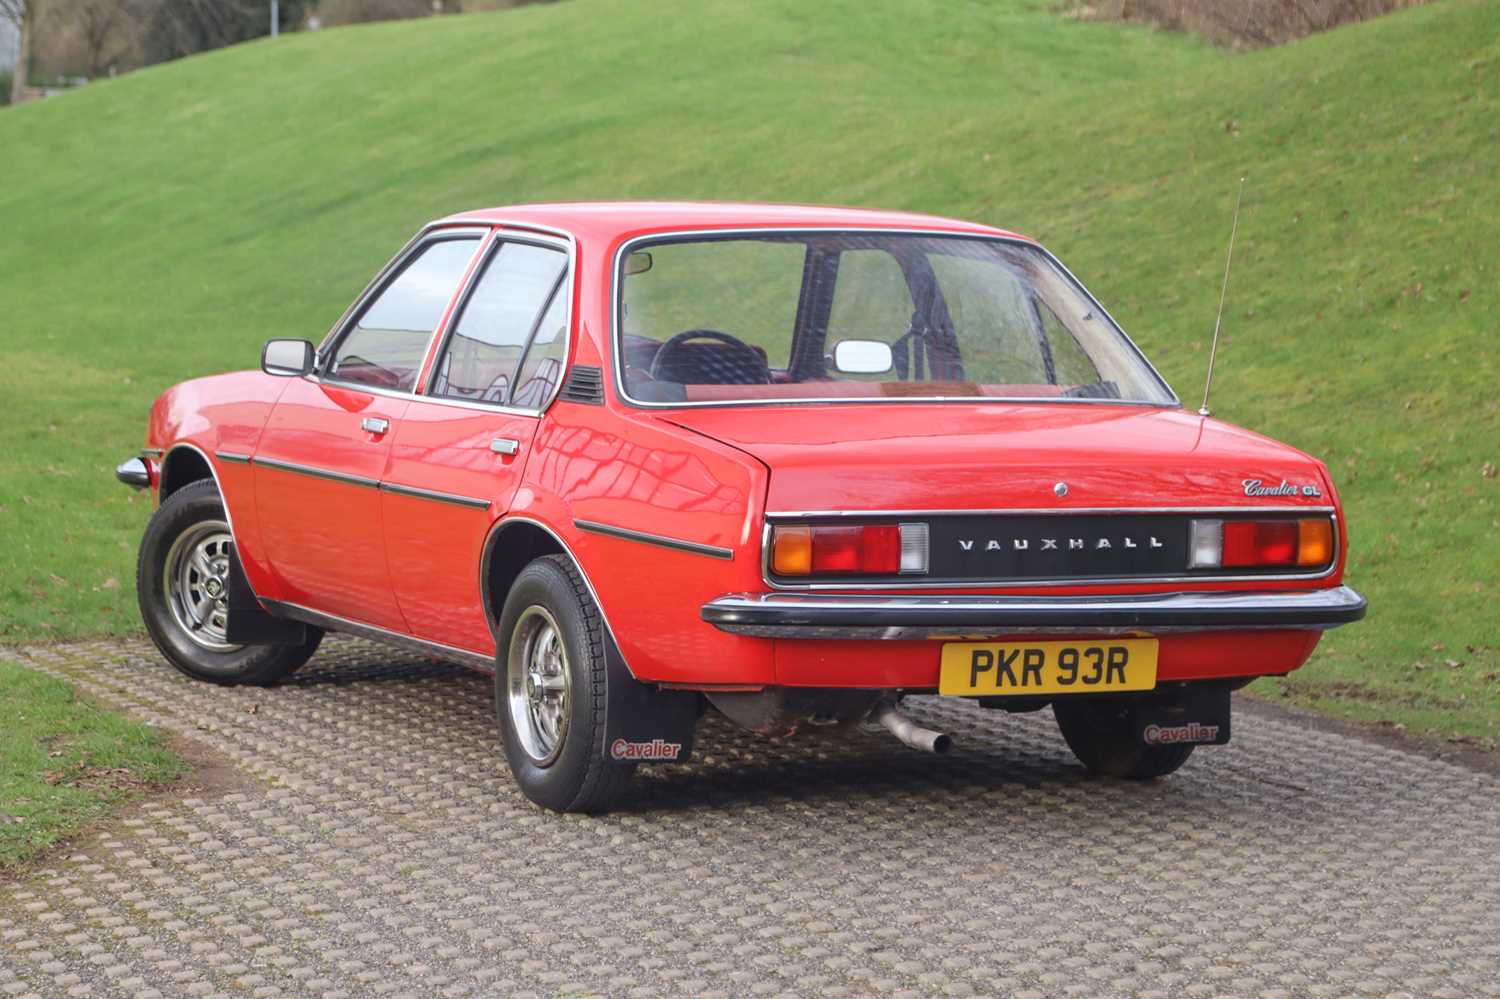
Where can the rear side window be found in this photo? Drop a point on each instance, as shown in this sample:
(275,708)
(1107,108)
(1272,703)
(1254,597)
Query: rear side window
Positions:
(386,345)
(542,367)
(518,298)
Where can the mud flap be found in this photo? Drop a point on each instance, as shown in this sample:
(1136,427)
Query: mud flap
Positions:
(644,724)
(249,623)
(1191,713)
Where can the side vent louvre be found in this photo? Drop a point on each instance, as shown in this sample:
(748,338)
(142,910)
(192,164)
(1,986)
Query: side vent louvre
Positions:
(585,384)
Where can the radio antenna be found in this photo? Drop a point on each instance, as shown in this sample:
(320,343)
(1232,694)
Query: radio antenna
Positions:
(1213,351)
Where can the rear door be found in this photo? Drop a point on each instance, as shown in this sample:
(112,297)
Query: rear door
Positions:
(327,444)
(459,451)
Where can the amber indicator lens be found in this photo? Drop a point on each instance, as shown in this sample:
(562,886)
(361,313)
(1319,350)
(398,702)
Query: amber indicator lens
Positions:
(1314,542)
(791,550)
(848,549)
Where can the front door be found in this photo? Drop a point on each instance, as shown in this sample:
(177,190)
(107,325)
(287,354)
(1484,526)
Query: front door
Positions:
(316,475)
(457,457)
(327,444)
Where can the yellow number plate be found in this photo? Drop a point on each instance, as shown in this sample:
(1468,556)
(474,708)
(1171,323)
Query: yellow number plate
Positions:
(985,669)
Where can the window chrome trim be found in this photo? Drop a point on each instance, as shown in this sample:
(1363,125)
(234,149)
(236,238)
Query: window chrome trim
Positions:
(332,622)
(661,541)
(489,232)
(232,457)
(913,583)
(388,274)
(444,333)
(479,407)
(316,473)
(449,230)
(617,327)
(435,495)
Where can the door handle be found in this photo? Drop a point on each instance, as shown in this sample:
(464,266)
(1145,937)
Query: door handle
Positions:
(376,425)
(505,445)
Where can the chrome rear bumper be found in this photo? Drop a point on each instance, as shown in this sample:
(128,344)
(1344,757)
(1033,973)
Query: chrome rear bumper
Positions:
(854,617)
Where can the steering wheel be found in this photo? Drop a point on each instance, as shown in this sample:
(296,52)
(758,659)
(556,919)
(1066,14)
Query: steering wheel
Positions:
(746,359)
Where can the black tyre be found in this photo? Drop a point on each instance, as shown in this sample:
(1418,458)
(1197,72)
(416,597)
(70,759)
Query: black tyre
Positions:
(181,581)
(1100,734)
(551,690)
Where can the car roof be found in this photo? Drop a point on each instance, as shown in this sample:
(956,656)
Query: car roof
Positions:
(611,220)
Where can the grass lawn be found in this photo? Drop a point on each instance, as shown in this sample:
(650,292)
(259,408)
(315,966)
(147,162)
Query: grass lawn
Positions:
(64,760)
(164,224)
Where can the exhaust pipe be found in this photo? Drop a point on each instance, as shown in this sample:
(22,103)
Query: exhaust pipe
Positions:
(908,731)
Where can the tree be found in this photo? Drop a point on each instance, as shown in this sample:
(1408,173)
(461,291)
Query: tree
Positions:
(22,14)
(177,28)
(100,27)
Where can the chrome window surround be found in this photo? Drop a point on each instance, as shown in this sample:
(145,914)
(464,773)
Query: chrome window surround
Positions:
(490,233)
(566,287)
(482,236)
(1005,584)
(617,327)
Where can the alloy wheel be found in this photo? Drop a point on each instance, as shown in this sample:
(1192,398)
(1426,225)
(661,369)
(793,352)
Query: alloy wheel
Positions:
(538,684)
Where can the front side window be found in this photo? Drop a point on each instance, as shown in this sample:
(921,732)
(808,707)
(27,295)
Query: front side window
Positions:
(386,345)
(518,302)
(866,315)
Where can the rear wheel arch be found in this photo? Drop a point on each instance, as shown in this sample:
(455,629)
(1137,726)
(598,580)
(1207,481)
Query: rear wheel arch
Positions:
(513,544)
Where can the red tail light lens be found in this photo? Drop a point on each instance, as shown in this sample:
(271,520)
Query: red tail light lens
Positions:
(1260,542)
(848,549)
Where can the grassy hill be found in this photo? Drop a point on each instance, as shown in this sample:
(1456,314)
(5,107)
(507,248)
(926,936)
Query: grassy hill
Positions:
(163,225)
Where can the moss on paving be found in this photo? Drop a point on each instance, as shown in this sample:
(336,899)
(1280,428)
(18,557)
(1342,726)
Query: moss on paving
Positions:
(64,760)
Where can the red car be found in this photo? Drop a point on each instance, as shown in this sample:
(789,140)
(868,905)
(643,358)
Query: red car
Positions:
(790,462)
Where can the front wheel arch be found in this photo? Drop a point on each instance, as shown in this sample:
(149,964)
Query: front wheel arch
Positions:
(182,466)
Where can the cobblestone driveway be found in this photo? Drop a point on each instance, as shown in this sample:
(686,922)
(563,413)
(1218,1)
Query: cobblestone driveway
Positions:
(382,848)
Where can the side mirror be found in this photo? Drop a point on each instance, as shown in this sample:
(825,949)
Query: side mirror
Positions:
(287,358)
(638,262)
(862,357)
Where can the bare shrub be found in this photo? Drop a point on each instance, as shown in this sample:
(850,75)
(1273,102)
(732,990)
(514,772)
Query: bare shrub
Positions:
(1254,23)
(331,13)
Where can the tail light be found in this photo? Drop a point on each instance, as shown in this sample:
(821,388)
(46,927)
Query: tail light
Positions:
(848,549)
(1261,544)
